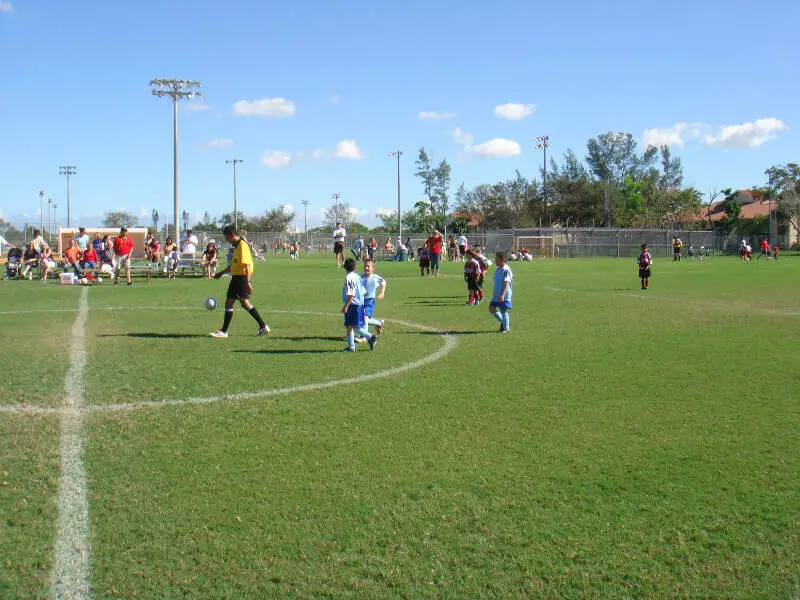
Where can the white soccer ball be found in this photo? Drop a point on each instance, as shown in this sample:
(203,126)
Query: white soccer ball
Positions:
(84,281)
(99,280)
(211,304)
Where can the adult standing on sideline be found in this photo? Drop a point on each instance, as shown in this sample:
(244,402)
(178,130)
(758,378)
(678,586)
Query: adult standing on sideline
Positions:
(189,243)
(338,244)
(434,246)
(462,245)
(123,248)
(240,288)
(82,239)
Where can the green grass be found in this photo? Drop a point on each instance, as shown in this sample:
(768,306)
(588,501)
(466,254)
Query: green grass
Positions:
(616,444)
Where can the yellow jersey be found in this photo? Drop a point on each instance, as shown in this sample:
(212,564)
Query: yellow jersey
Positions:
(241,257)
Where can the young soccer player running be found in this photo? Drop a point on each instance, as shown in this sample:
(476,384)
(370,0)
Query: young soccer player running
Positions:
(374,289)
(472,273)
(240,288)
(353,308)
(501,294)
(644,261)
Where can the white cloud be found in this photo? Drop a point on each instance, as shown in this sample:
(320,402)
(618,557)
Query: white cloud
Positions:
(461,137)
(671,136)
(276,159)
(6,6)
(266,107)
(435,116)
(318,155)
(514,112)
(348,149)
(746,135)
(217,143)
(498,147)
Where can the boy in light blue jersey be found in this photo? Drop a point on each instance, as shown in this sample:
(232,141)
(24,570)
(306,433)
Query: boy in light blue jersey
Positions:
(353,308)
(501,294)
(374,289)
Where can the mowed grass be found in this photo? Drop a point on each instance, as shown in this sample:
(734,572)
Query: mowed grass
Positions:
(616,444)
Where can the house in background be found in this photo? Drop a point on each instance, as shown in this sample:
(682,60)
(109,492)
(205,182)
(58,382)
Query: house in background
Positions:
(754,219)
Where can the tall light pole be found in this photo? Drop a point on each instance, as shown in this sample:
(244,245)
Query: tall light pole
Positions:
(305,217)
(398,154)
(176,89)
(543,143)
(235,162)
(68,170)
(41,209)
(50,220)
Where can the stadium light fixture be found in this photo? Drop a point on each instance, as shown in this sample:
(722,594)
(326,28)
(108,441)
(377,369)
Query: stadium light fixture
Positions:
(234,162)
(177,90)
(543,143)
(41,209)
(68,170)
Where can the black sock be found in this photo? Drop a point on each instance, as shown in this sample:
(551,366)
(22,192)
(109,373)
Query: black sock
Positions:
(228,318)
(254,313)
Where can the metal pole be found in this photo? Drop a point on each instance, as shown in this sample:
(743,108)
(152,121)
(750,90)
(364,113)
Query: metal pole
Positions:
(305,217)
(235,200)
(50,221)
(175,165)
(68,201)
(399,210)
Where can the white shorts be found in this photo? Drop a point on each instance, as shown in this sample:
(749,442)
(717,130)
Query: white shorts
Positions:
(124,261)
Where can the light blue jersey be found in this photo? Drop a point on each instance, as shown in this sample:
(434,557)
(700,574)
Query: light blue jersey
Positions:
(354,287)
(371,285)
(501,275)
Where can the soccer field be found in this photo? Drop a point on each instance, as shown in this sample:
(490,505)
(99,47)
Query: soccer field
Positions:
(617,443)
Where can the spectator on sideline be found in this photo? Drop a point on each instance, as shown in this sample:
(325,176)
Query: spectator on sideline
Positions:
(97,244)
(38,241)
(72,255)
(209,261)
(452,248)
(46,257)
(189,243)
(462,245)
(30,259)
(106,256)
(338,244)
(169,246)
(82,239)
(434,246)
(89,259)
(371,247)
(123,249)
(358,248)
(154,252)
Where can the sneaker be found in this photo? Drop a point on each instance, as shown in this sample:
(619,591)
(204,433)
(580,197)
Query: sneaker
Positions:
(467,303)
(130,283)
(219,334)
(372,341)
(349,349)
(360,340)
(263,331)
(116,281)
(503,329)
(379,328)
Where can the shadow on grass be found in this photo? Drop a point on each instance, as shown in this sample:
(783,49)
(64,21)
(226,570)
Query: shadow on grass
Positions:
(423,303)
(156,336)
(431,297)
(440,333)
(300,338)
(288,351)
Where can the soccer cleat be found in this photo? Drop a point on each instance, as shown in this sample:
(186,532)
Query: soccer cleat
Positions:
(379,328)
(349,349)
(467,303)
(503,329)
(219,334)
(263,330)
(372,341)
(360,340)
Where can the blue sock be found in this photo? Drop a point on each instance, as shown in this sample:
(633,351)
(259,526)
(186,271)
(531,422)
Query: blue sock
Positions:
(506,320)
(351,340)
(496,314)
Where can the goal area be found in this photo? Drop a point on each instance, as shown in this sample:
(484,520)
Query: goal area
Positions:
(539,246)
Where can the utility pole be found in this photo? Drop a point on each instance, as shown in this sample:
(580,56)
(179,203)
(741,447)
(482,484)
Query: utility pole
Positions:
(176,89)
(68,170)
(305,217)
(398,154)
(41,209)
(543,144)
(235,162)
(50,221)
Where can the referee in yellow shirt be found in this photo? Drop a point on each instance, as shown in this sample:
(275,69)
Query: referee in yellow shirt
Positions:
(240,288)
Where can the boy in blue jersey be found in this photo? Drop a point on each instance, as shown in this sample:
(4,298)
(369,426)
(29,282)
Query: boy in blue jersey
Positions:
(353,308)
(374,289)
(501,294)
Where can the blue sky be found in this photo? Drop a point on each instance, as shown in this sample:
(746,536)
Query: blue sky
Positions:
(314,95)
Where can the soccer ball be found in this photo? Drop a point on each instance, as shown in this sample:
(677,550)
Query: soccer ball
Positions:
(211,304)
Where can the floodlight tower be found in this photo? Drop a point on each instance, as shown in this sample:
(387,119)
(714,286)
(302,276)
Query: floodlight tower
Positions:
(398,154)
(50,220)
(176,89)
(305,217)
(67,170)
(234,162)
(543,143)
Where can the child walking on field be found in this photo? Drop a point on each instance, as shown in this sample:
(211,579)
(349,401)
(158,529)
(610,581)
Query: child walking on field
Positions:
(501,294)
(644,261)
(472,273)
(374,289)
(353,308)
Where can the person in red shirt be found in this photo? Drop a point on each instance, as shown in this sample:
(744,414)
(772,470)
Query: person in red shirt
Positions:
(123,248)
(775,251)
(764,249)
(89,259)
(434,246)
(73,256)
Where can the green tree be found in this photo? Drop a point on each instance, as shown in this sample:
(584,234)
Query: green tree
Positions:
(338,212)
(733,213)
(426,173)
(119,218)
(786,181)
(613,156)
(441,188)
(275,220)
(671,170)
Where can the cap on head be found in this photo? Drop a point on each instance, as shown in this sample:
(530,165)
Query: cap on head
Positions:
(123,229)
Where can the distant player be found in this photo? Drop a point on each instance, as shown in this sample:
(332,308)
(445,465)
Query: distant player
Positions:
(677,245)
(472,273)
(764,249)
(353,307)
(240,288)
(424,261)
(501,294)
(644,261)
(485,263)
(374,289)
(775,251)
(338,244)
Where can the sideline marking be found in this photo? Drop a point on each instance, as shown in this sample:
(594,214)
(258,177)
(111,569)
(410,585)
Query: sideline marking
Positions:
(71,568)
(449,343)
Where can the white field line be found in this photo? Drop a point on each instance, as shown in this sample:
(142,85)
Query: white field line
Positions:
(449,343)
(71,576)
